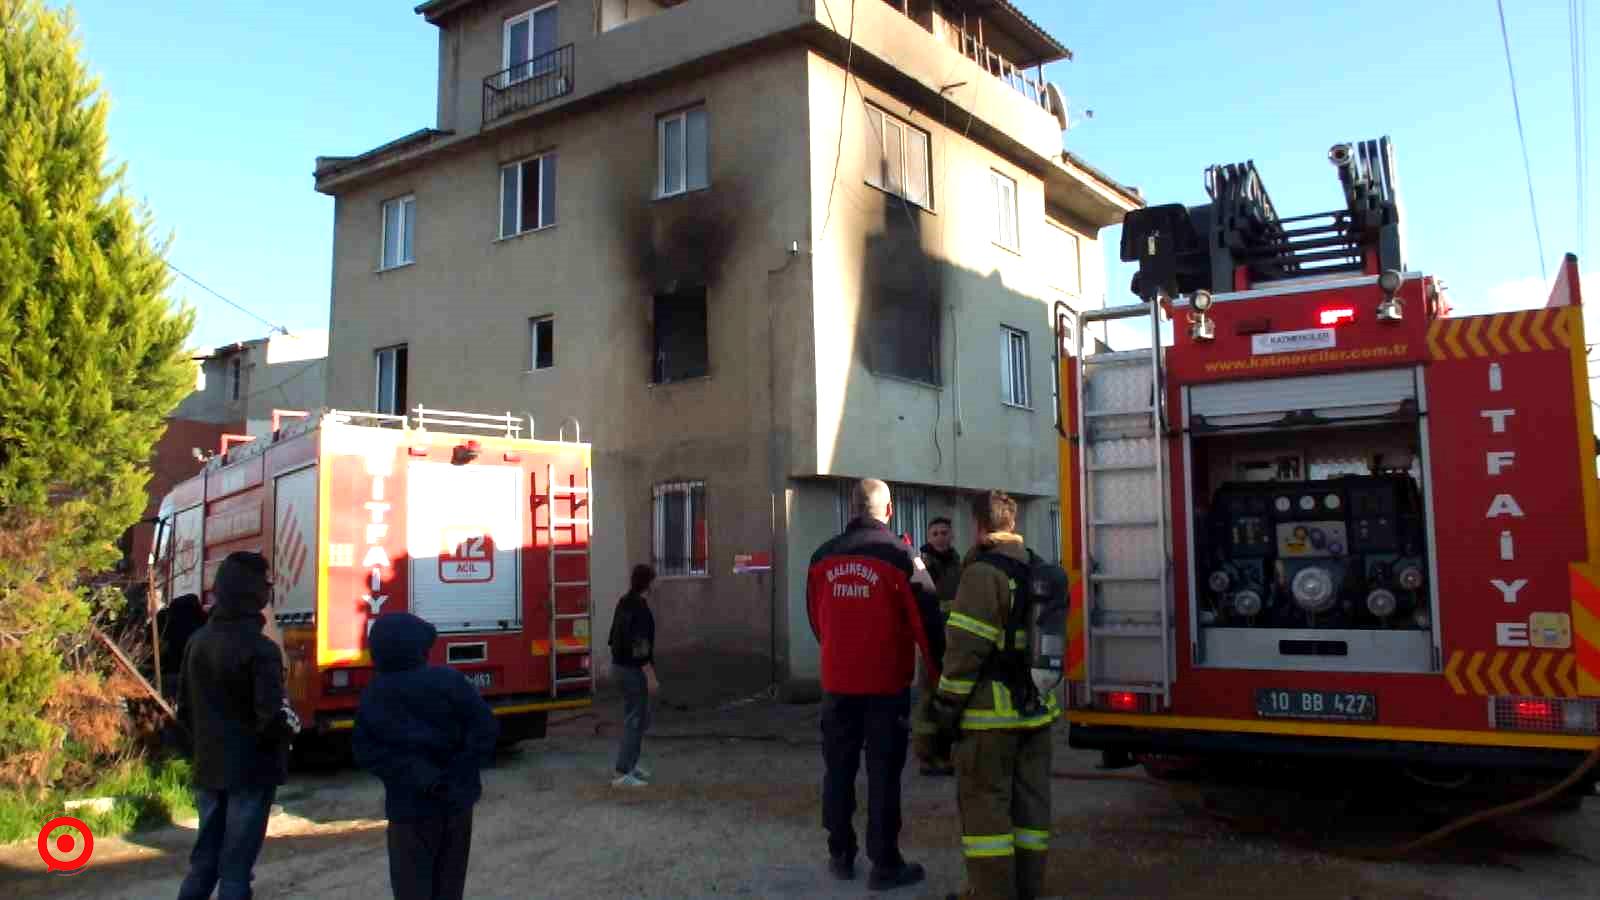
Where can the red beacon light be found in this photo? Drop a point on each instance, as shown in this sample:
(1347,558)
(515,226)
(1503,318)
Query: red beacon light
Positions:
(1336,315)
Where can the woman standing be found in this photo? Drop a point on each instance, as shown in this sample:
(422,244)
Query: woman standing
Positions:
(633,640)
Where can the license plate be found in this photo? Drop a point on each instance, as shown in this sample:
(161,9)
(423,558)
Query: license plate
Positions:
(481,680)
(1279,703)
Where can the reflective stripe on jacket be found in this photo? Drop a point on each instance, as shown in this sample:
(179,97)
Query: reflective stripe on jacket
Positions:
(976,628)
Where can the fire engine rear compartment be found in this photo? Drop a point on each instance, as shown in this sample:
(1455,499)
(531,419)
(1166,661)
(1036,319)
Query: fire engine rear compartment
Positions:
(1308,531)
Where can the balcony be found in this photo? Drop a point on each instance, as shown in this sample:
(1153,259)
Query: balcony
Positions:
(528,84)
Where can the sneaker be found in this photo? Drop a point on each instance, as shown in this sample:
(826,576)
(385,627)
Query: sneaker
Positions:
(629,780)
(641,773)
(889,879)
(842,867)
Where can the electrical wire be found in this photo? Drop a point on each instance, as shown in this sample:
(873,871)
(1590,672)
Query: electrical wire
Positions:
(1516,108)
(198,283)
(844,99)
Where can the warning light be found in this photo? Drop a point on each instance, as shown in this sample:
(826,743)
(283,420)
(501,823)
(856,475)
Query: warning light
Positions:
(1536,709)
(1124,701)
(1336,314)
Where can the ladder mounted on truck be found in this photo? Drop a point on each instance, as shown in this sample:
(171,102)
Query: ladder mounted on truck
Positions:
(1125,519)
(580,514)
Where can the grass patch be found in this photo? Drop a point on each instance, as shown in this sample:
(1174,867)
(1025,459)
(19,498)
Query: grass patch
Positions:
(148,794)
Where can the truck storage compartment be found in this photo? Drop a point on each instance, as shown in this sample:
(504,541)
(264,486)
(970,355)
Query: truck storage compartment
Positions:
(1310,525)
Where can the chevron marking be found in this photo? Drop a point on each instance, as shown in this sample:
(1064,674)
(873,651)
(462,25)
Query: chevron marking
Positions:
(1536,329)
(1519,321)
(1434,350)
(1564,675)
(1450,672)
(1560,328)
(1539,669)
(1516,674)
(1451,332)
(1494,672)
(1472,673)
(1475,325)
(1495,324)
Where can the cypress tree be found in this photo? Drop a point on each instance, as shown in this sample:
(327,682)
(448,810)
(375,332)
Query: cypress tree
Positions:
(91,362)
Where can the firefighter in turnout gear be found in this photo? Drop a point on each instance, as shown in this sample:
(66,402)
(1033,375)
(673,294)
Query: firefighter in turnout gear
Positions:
(988,696)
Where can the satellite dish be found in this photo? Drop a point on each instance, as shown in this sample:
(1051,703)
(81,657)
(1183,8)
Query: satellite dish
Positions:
(1057,106)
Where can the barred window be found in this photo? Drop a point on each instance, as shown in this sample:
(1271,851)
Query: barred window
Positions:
(681,541)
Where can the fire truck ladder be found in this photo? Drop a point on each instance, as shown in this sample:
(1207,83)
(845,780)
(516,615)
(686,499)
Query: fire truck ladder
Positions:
(1122,468)
(580,498)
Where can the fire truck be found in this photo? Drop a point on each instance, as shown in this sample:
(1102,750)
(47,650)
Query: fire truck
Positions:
(455,517)
(1325,518)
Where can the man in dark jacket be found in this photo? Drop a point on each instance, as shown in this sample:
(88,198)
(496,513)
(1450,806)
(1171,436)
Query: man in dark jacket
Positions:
(944,567)
(633,641)
(871,607)
(176,623)
(240,723)
(425,732)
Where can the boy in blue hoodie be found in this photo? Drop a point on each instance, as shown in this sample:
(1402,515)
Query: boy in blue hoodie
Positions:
(425,732)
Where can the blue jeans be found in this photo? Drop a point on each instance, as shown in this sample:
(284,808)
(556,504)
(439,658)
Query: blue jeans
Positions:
(233,826)
(635,715)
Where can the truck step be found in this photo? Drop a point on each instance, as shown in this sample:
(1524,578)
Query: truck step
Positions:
(1125,631)
(1131,411)
(571,584)
(1122,467)
(1123,579)
(1124,523)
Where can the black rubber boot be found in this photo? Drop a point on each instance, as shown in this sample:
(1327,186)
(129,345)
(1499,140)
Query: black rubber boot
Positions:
(889,879)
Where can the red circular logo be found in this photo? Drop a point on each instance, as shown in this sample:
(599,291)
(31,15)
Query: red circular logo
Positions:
(68,855)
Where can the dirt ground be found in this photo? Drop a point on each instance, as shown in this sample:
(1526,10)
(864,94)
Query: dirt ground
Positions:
(734,811)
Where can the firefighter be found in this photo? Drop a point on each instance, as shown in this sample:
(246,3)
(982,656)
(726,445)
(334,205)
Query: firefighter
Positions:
(871,607)
(944,567)
(1002,754)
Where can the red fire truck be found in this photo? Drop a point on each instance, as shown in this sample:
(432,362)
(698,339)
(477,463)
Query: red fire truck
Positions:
(1326,518)
(455,517)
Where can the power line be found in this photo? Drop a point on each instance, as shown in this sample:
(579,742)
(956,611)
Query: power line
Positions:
(1516,108)
(198,283)
(844,99)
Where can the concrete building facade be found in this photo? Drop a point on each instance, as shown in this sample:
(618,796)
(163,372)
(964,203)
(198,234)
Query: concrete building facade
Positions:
(756,251)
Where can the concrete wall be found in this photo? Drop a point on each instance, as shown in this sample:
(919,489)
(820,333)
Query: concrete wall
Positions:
(958,433)
(463,309)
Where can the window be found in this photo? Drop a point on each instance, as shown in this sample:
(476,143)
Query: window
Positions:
(235,378)
(528,195)
(1005,210)
(681,150)
(526,39)
(399,227)
(680,528)
(391,378)
(541,343)
(681,347)
(1063,259)
(1014,367)
(897,158)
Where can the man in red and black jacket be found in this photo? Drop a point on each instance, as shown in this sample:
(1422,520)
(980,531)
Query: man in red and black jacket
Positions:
(872,604)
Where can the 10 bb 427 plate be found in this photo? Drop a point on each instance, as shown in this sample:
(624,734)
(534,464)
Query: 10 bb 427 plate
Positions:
(1284,703)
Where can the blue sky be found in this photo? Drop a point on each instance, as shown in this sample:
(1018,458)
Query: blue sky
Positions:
(219,110)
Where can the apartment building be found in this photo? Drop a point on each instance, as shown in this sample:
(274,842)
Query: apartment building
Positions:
(756,250)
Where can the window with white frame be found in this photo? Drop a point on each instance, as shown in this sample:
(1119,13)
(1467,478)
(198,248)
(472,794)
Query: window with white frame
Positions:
(681,540)
(525,41)
(1014,367)
(541,343)
(1062,259)
(528,195)
(682,162)
(897,158)
(390,396)
(1004,191)
(399,228)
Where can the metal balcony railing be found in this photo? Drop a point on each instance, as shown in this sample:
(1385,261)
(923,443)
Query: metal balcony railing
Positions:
(528,84)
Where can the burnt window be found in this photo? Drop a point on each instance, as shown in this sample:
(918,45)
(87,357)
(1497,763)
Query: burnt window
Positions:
(902,335)
(680,349)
